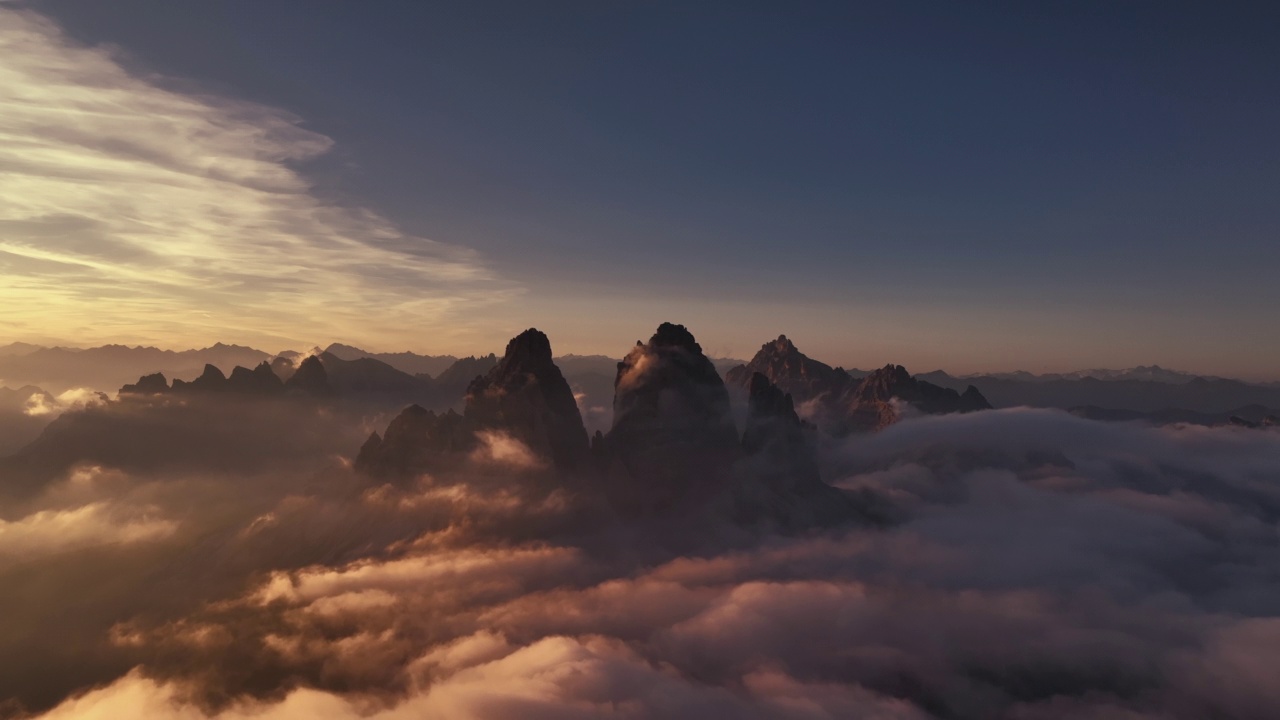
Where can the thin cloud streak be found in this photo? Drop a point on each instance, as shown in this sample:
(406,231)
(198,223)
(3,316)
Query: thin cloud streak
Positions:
(135,211)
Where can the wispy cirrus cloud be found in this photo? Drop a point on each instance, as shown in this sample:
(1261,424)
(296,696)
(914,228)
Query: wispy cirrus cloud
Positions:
(136,211)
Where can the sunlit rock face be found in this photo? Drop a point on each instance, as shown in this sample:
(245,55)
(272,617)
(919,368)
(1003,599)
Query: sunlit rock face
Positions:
(672,439)
(526,395)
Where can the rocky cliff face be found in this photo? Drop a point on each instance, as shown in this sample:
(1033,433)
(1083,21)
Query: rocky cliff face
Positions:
(523,397)
(778,480)
(526,396)
(672,439)
(417,441)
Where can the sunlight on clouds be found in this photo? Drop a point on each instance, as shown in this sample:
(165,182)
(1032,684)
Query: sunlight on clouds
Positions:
(98,523)
(136,211)
(499,448)
(42,404)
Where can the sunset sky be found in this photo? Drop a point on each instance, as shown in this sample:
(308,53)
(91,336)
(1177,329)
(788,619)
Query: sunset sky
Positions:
(1021,185)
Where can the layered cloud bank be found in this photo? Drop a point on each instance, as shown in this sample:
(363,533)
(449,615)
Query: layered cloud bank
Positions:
(134,210)
(1036,565)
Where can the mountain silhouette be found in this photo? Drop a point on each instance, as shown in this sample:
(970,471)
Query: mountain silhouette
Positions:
(840,403)
(672,450)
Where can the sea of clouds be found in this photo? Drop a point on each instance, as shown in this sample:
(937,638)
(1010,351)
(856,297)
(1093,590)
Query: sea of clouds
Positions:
(1034,565)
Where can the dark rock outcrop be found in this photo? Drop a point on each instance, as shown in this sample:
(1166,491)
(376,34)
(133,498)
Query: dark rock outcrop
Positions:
(406,362)
(211,380)
(526,396)
(523,396)
(153,384)
(370,377)
(779,483)
(259,381)
(452,384)
(417,441)
(673,441)
(310,378)
(776,438)
(971,400)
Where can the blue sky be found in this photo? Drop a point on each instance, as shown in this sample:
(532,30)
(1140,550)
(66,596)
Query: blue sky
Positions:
(1038,185)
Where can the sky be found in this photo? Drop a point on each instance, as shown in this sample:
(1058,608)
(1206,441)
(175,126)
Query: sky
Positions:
(1044,186)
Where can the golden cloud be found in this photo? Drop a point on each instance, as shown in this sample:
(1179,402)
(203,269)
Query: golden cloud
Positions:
(133,210)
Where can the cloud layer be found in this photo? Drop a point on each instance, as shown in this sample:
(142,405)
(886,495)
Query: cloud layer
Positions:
(1040,566)
(136,211)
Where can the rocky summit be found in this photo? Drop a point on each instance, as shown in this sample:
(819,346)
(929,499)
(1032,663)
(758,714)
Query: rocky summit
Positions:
(261,380)
(526,395)
(310,377)
(524,398)
(796,374)
(673,440)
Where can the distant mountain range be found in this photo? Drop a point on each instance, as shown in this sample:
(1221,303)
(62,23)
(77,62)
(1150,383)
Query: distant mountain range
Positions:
(441,380)
(1119,392)
(1250,416)
(407,362)
(1146,373)
(838,402)
(57,369)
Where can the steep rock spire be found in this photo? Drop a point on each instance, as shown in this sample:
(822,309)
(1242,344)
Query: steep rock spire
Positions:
(672,437)
(526,395)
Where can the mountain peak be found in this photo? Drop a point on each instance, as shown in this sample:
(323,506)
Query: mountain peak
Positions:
(152,384)
(531,347)
(672,335)
(310,377)
(526,394)
(783,345)
(672,437)
(782,364)
(211,373)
